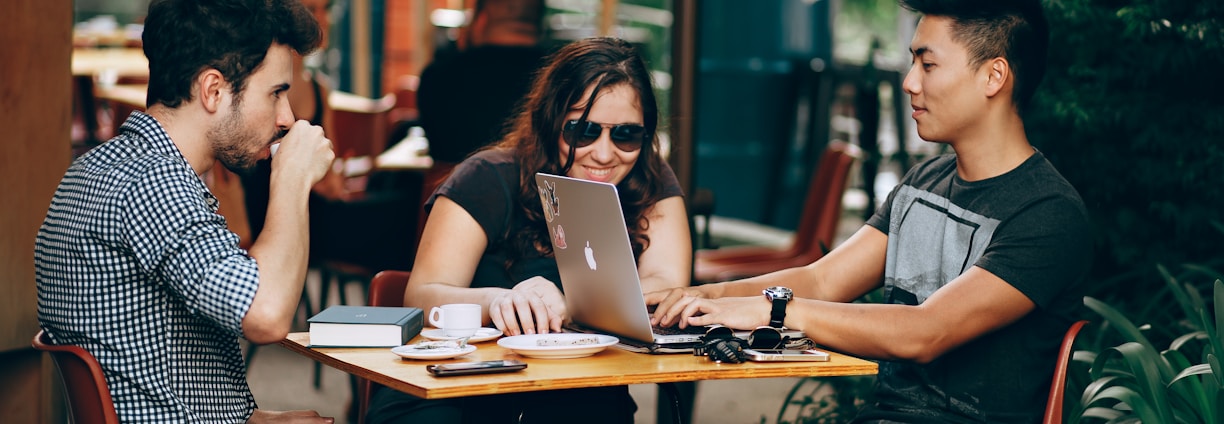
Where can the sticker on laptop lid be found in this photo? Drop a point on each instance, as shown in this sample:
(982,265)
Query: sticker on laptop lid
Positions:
(549,201)
(558,234)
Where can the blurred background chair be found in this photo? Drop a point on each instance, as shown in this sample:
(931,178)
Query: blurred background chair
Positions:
(386,289)
(359,132)
(404,115)
(89,399)
(434,176)
(812,239)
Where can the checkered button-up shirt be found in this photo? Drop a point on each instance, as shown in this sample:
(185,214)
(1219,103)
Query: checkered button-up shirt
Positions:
(134,264)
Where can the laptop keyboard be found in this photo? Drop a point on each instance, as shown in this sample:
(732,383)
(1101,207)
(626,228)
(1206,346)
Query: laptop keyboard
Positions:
(676,330)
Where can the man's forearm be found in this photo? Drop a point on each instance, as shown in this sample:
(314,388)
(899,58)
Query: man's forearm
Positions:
(281,251)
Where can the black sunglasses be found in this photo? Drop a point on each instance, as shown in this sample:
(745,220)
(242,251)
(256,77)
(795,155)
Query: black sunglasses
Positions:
(760,338)
(626,137)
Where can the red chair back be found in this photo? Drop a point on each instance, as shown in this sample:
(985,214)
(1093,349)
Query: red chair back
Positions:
(1058,387)
(434,176)
(823,204)
(386,289)
(359,124)
(817,227)
(88,397)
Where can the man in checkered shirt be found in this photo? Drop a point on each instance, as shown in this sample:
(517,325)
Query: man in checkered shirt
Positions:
(133,262)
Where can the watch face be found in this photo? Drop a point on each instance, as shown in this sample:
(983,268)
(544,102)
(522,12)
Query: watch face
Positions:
(779,293)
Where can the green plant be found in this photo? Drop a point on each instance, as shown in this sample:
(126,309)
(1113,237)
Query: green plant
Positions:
(821,400)
(1130,115)
(829,400)
(1135,382)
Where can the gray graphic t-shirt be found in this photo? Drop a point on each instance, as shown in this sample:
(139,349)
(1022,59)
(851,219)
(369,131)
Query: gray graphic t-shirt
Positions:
(1029,228)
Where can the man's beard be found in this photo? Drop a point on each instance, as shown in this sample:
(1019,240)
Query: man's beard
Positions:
(230,143)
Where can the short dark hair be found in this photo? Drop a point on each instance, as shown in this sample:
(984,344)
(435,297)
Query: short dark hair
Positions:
(598,63)
(184,37)
(1015,30)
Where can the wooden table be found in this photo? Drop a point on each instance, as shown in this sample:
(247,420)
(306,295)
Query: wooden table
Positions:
(611,367)
(124,61)
(132,95)
(103,67)
(405,156)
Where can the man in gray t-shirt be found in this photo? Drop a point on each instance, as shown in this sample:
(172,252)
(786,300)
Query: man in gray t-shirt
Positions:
(980,253)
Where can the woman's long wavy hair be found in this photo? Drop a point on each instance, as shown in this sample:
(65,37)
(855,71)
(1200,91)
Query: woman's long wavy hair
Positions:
(535,134)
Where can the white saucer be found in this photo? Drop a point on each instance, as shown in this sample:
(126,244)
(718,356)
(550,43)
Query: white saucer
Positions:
(484,334)
(557,345)
(412,351)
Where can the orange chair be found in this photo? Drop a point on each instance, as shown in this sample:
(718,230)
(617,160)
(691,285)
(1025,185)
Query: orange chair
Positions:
(405,111)
(818,226)
(434,176)
(358,133)
(386,289)
(1058,387)
(89,399)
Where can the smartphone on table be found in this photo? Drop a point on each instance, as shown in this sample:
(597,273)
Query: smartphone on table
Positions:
(469,368)
(782,355)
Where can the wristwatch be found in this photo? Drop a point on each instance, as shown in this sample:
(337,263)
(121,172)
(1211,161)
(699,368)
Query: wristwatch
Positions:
(779,296)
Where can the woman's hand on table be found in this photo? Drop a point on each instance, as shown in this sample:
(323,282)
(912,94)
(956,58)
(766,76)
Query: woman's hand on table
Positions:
(533,306)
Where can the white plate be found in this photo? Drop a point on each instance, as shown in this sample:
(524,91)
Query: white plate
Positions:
(557,345)
(412,351)
(482,335)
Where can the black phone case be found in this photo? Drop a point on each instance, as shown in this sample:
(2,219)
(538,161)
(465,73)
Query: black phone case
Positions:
(433,369)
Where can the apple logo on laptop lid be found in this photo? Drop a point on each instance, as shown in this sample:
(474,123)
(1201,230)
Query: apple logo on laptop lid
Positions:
(590,255)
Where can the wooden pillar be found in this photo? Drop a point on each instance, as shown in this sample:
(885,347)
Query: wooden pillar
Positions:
(36,97)
(607,17)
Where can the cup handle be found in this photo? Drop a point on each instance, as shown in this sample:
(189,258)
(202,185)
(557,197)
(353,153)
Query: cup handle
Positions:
(435,317)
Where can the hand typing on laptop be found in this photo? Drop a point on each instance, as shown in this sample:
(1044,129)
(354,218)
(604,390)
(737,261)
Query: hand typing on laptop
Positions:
(690,306)
(668,305)
(534,305)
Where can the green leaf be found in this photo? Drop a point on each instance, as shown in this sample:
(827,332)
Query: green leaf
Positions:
(1102,413)
(1214,362)
(1093,390)
(1128,331)
(1217,345)
(1144,363)
(1187,396)
(1193,370)
(1140,406)
(1183,299)
(1211,273)
(1181,341)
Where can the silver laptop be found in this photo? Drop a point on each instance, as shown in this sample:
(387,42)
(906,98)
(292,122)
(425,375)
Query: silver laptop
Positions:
(598,270)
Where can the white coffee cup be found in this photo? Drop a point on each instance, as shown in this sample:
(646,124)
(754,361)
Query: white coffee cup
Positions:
(456,319)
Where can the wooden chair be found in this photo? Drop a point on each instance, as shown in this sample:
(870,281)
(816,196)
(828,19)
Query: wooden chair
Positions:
(404,115)
(386,289)
(1058,386)
(358,133)
(434,177)
(89,399)
(817,228)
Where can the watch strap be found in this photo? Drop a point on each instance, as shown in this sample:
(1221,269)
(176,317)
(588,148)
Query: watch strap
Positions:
(778,314)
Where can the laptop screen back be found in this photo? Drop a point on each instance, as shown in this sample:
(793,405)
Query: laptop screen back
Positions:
(594,255)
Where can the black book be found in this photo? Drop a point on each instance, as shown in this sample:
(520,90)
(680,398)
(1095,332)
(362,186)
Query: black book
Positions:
(365,326)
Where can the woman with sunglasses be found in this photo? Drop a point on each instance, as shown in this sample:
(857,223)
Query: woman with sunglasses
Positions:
(590,114)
